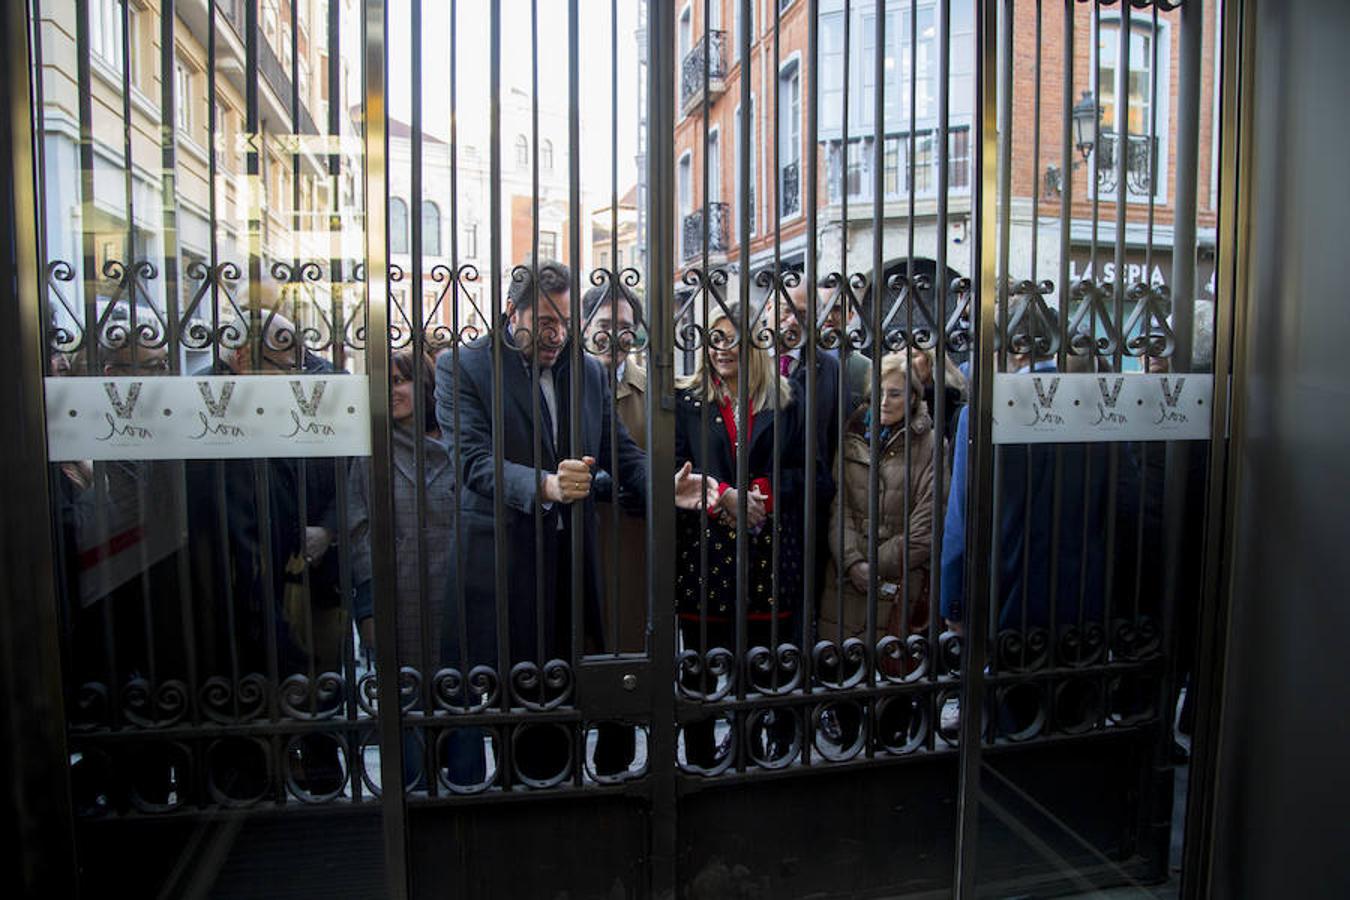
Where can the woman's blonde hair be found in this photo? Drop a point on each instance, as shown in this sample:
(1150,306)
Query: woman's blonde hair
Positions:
(762,371)
(896,364)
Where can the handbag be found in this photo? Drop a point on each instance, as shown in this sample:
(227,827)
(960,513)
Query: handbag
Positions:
(918,623)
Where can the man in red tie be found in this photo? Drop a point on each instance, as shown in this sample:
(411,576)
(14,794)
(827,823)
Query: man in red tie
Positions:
(831,403)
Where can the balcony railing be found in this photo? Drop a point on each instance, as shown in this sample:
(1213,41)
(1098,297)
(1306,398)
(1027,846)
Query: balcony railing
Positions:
(856,173)
(713,43)
(719,221)
(1141,163)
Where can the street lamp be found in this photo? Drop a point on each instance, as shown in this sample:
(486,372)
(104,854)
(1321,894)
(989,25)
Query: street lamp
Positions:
(1085,115)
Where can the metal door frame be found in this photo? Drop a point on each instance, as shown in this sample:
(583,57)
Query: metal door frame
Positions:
(34,695)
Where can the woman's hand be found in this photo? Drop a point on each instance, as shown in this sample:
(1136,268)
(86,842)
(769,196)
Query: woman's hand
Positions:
(693,491)
(755,512)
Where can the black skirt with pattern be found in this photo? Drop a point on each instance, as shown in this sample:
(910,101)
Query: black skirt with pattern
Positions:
(721,573)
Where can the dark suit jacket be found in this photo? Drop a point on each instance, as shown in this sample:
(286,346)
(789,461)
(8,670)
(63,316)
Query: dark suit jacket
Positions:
(470,390)
(827,417)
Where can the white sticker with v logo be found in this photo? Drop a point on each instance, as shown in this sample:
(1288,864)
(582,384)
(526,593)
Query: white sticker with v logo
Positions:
(207,417)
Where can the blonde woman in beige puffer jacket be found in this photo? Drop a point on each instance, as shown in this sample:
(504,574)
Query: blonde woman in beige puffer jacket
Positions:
(906,511)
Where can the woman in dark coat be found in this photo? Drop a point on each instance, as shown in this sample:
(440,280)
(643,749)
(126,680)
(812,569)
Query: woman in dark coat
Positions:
(708,428)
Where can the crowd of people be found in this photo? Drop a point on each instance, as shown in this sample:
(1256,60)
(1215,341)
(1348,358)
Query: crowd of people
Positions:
(529,455)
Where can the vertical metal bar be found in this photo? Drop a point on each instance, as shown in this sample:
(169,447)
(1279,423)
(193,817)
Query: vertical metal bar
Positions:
(878,343)
(375,66)
(912,295)
(1005,114)
(535,389)
(743,400)
(169,182)
(135,339)
(1187,156)
(660,39)
(297,294)
(419,351)
(461,614)
(846,344)
(1035,245)
(37,788)
(1066,165)
(776,284)
(83,80)
(1094,187)
(92,344)
(811,352)
(575,449)
(747,118)
(944,26)
(1142,499)
(500,540)
(1235,162)
(980,536)
(1122,90)
(616,610)
(258,338)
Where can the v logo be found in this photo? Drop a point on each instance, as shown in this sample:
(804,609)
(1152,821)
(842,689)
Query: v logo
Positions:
(1109,397)
(309,407)
(1170,394)
(123,408)
(216,406)
(1046,398)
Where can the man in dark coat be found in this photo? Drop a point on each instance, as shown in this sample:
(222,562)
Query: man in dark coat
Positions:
(542,473)
(793,333)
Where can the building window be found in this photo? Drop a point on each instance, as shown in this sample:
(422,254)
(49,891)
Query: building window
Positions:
(1141,140)
(431,229)
(736,167)
(548,245)
(686,32)
(302,67)
(713,160)
(901,63)
(831,76)
(182,96)
(105,30)
(471,241)
(522,152)
(891,168)
(398,226)
(958,159)
(686,186)
(546,156)
(790,140)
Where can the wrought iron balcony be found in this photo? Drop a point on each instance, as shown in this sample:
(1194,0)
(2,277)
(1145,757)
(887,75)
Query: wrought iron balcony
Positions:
(1141,163)
(692,92)
(719,227)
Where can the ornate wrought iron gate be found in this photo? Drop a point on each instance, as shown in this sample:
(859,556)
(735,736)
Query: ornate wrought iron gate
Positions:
(296,411)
